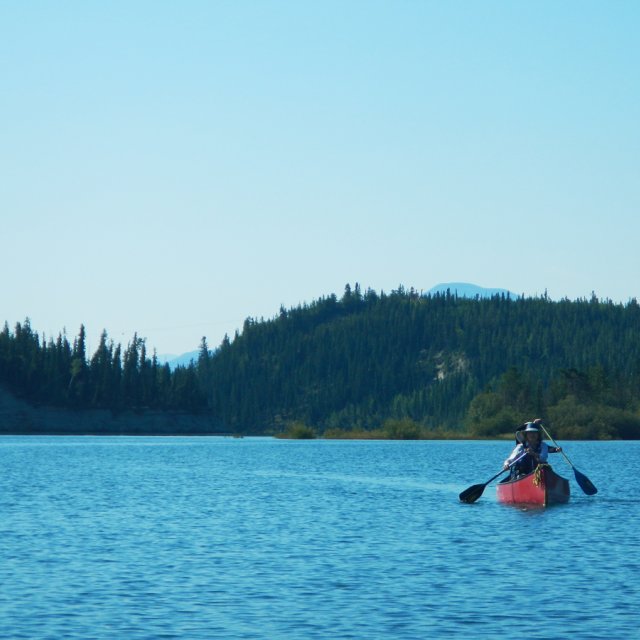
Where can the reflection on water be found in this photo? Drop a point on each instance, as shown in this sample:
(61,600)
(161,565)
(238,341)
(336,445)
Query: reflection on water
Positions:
(259,538)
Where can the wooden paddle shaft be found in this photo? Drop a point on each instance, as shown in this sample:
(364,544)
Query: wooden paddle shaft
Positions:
(566,457)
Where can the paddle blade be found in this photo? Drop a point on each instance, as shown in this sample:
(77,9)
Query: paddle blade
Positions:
(472,493)
(585,484)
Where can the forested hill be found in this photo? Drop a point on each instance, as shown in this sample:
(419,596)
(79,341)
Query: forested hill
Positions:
(366,360)
(482,365)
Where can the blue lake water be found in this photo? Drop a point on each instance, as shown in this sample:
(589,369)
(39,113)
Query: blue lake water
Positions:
(260,538)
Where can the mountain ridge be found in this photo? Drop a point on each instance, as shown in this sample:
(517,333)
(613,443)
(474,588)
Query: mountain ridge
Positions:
(469,290)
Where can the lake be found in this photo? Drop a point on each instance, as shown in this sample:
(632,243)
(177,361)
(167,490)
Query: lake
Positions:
(124,537)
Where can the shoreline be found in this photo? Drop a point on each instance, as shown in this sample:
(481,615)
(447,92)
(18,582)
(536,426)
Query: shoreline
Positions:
(19,418)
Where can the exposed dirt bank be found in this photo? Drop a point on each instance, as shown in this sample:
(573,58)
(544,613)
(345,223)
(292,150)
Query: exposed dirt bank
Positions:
(18,417)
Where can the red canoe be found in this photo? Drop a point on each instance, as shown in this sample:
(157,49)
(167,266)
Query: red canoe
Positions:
(542,487)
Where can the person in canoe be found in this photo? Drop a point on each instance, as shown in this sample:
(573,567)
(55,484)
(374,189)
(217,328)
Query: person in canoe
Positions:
(531,444)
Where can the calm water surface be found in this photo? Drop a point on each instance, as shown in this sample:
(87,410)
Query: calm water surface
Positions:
(258,538)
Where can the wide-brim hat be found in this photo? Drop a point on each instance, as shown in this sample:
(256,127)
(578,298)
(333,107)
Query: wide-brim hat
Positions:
(521,434)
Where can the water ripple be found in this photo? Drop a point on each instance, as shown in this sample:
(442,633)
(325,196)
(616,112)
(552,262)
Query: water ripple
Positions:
(259,539)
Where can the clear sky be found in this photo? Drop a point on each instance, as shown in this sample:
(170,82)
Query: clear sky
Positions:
(173,168)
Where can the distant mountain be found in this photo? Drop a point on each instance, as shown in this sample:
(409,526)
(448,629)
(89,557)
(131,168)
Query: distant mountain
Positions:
(467,290)
(174,361)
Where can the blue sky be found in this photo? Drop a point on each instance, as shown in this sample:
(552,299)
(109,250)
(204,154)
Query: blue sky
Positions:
(173,168)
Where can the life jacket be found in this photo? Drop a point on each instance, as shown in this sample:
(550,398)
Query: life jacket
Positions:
(528,463)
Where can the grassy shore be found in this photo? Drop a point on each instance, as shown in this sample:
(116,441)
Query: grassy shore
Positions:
(390,430)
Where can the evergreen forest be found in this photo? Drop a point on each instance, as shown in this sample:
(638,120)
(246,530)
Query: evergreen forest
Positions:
(401,364)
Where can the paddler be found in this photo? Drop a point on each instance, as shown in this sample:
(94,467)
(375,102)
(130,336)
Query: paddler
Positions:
(530,443)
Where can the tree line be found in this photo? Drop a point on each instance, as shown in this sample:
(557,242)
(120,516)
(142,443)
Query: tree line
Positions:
(365,359)
(59,373)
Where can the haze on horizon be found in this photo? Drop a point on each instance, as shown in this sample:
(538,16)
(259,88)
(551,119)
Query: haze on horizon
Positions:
(173,169)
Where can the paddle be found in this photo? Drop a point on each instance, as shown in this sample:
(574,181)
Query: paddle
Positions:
(585,484)
(475,491)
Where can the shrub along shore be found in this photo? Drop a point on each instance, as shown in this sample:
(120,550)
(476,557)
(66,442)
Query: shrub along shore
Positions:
(404,429)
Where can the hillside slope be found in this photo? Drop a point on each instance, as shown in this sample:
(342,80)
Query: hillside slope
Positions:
(365,358)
